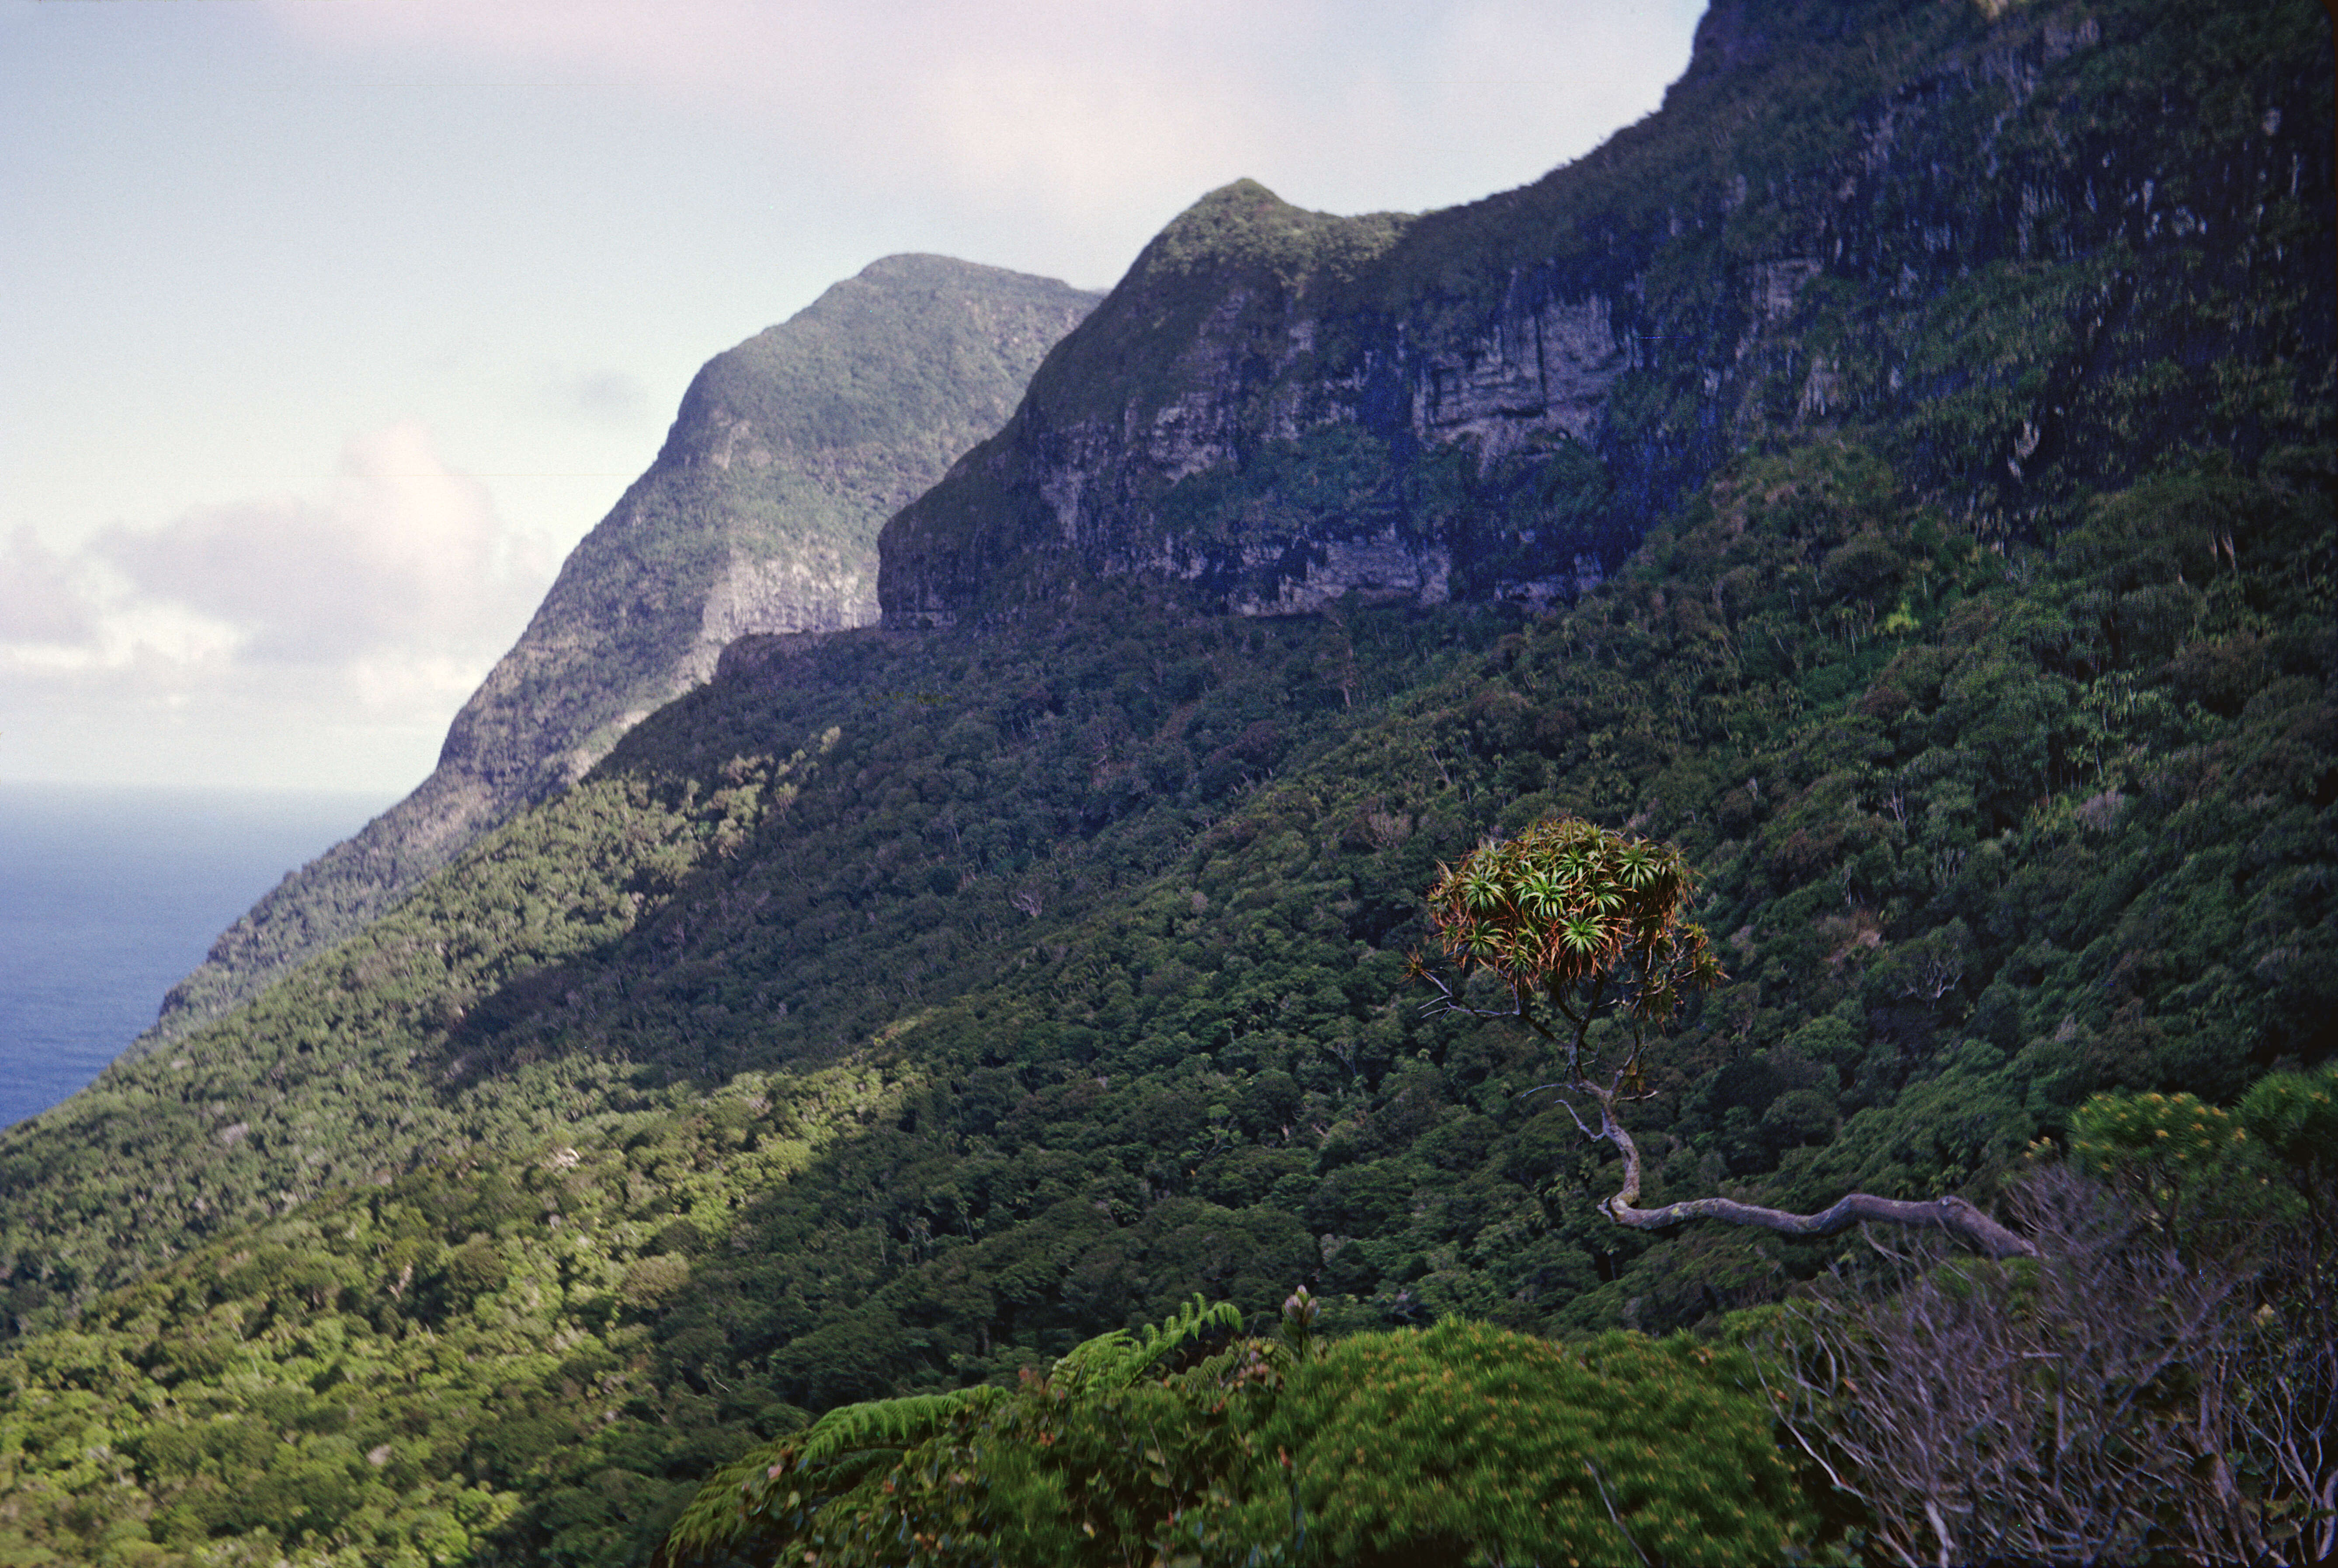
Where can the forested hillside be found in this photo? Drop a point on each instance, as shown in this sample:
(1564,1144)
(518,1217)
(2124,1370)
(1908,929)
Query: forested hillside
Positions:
(1145,1027)
(909,1005)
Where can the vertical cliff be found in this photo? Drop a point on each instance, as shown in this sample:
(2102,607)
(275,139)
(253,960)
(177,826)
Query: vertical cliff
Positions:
(2011,244)
(761,514)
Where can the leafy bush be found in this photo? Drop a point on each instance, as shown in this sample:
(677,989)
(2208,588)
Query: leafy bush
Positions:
(1463,1443)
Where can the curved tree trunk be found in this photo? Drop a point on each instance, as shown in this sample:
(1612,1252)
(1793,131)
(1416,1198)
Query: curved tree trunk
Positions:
(1954,1215)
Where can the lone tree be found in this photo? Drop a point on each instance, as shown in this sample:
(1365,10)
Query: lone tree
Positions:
(1581,924)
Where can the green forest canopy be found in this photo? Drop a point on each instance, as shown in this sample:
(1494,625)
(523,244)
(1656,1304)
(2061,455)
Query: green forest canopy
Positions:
(1196,1065)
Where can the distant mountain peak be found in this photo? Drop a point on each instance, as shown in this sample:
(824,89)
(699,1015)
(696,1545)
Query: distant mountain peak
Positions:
(1246,226)
(759,515)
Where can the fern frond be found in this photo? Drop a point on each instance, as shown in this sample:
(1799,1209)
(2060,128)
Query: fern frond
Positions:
(726,1509)
(843,1447)
(1193,1320)
(1119,1357)
(885,1423)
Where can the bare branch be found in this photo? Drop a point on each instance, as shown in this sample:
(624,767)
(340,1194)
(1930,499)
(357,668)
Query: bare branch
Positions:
(1447,1001)
(1956,1216)
(1566,1105)
(2079,1409)
(1951,1214)
(1601,1482)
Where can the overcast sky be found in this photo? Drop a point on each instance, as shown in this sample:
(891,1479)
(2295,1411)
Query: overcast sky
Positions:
(327,325)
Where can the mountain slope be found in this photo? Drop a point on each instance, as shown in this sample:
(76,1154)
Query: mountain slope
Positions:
(2028,251)
(909,1003)
(1067,980)
(759,515)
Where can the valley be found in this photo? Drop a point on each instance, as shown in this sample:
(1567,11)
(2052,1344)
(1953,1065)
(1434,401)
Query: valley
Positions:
(1900,474)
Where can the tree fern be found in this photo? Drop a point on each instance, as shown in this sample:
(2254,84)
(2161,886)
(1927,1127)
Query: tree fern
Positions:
(1464,1440)
(885,1425)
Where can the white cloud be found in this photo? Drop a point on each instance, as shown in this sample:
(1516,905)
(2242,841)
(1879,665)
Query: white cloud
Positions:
(271,629)
(402,553)
(254,227)
(39,604)
(1088,118)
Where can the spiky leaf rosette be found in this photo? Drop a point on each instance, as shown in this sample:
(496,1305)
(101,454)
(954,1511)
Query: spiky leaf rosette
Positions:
(1578,916)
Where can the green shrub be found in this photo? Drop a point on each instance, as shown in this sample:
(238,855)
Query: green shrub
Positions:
(1463,1443)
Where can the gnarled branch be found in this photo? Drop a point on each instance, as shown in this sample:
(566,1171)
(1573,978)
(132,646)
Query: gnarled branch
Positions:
(1952,1214)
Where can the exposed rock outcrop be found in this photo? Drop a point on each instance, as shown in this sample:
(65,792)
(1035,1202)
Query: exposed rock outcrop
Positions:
(1959,236)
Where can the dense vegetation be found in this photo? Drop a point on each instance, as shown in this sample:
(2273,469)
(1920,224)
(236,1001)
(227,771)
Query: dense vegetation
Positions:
(393,1372)
(329,1079)
(1461,1443)
(904,1009)
(1982,835)
(2155,1383)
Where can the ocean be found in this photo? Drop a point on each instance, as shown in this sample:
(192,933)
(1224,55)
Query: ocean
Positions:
(109,895)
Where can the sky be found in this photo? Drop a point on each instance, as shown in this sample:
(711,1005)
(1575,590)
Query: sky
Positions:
(327,327)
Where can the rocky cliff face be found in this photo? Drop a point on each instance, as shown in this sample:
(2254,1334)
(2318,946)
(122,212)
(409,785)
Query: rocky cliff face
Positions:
(759,515)
(1937,223)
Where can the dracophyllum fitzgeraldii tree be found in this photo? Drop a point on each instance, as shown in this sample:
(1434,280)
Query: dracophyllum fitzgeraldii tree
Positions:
(1580,924)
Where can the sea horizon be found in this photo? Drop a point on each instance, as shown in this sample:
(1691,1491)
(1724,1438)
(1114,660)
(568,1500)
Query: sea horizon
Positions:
(111,894)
